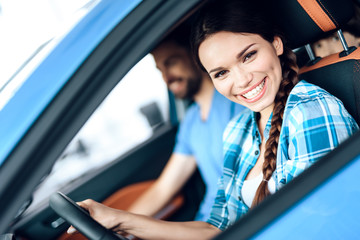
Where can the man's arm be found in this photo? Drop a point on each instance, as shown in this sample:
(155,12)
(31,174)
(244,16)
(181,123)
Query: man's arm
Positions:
(175,174)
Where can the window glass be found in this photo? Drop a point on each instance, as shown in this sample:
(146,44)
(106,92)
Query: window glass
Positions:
(118,125)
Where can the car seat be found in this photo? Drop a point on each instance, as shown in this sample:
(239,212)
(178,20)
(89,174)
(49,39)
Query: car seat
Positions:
(306,21)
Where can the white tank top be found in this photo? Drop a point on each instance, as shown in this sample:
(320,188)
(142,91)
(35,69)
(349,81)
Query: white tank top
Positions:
(250,186)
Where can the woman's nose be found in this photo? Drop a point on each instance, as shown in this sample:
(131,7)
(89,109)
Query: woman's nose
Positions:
(242,78)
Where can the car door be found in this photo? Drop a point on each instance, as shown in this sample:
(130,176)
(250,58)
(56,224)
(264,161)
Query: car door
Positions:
(321,203)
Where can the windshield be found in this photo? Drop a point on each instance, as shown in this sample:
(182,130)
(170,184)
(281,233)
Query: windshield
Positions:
(29,29)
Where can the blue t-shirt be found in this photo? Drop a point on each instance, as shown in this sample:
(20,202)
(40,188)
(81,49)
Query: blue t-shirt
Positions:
(203,140)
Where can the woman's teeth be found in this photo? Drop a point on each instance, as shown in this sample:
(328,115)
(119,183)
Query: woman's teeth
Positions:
(255,91)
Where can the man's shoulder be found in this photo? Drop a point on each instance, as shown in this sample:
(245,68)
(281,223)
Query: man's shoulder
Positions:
(192,112)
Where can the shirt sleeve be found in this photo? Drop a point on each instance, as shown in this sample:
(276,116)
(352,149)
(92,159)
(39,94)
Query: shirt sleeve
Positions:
(316,126)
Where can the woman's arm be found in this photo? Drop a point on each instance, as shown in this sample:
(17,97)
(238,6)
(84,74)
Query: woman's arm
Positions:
(146,227)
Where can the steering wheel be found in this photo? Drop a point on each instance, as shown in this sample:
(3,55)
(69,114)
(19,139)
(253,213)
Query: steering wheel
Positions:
(80,218)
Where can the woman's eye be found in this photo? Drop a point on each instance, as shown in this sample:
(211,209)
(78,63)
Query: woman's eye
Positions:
(249,55)
(220,74)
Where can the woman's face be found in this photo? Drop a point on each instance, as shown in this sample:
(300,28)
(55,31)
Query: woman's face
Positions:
(245,68)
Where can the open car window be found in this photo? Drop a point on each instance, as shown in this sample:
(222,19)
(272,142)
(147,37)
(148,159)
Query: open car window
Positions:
(136,108)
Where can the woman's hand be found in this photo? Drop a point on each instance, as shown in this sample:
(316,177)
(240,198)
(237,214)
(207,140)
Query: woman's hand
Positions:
(145,227)
(108,217)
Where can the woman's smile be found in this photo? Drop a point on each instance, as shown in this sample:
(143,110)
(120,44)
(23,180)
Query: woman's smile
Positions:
(255,92)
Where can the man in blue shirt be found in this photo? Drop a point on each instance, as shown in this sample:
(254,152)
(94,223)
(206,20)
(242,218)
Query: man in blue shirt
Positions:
(199,139)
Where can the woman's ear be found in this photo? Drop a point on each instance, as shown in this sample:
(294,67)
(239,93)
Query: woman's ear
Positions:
(278,45)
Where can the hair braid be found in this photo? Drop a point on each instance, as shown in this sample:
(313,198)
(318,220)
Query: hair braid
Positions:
(289,74)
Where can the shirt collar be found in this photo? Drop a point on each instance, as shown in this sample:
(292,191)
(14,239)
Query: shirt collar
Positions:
(255,117)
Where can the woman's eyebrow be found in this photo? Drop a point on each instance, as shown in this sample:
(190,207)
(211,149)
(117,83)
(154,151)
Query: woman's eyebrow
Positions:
(237,57)
(244,50)
(215,69)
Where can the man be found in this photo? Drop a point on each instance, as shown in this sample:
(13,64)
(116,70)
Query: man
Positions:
(199,139)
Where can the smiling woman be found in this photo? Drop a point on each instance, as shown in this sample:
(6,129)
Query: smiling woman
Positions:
(277,138)
(284,132)
(262,56)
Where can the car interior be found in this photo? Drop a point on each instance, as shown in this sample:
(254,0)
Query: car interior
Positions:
(303,22)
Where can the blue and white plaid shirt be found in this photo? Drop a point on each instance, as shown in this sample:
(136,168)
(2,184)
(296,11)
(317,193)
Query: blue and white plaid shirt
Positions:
(315,122)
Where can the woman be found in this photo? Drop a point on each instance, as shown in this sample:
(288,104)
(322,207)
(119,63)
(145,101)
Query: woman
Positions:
(289,124)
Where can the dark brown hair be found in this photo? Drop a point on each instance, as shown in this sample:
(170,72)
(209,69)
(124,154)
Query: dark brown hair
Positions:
(246,17)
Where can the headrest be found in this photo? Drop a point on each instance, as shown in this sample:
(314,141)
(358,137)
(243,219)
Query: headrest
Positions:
(305,21)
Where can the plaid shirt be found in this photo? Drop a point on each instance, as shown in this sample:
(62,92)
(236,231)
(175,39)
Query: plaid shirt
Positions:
(315,122)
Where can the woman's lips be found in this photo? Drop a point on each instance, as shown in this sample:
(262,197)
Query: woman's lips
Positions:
(255,93)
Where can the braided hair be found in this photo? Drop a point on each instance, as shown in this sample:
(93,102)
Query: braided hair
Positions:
(247,17)
(290,78)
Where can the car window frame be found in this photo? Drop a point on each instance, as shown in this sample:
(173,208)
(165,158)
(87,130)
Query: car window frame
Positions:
(37,151)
